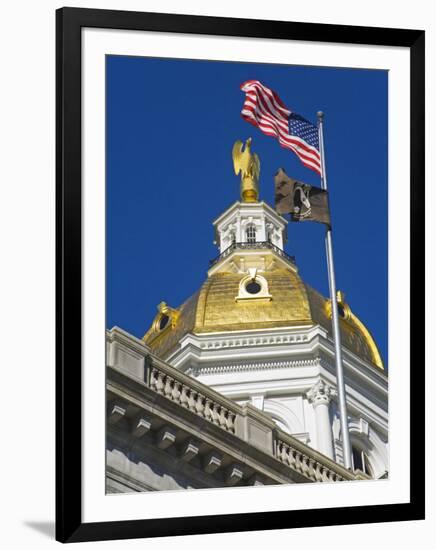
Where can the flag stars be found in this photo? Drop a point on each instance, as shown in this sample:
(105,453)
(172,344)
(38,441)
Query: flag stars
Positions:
(263,108)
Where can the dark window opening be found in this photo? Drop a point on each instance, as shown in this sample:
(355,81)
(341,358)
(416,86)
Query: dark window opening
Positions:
(251,234)
(253,287)
(361,462)
(163,322)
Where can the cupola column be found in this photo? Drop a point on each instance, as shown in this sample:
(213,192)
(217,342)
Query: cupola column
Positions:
(319,395)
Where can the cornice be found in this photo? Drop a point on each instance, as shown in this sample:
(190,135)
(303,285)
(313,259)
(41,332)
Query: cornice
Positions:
(304,341)
(255,338)
(117,334)
(246,207)
(259,365)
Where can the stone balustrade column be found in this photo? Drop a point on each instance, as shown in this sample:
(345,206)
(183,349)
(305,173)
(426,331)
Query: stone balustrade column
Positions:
(319,395)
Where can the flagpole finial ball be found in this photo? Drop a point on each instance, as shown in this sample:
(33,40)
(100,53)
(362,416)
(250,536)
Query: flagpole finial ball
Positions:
(320,115)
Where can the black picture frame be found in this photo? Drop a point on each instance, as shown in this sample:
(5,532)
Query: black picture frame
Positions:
(69,22)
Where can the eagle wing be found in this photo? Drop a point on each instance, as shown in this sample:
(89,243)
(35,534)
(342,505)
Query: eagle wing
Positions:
(256,167)
(238,155)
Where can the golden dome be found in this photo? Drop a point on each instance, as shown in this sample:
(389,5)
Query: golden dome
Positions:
(291,302)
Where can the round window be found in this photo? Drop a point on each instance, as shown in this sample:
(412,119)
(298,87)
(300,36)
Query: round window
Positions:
(163,321)
(253,288)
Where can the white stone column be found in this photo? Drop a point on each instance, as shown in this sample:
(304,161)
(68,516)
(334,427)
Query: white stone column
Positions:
(262,229)
(319,395)
(239,238)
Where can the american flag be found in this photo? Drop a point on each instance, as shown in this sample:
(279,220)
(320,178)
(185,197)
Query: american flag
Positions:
(263,108)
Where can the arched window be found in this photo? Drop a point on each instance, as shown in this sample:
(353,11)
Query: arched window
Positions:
(251,234)
(361,462)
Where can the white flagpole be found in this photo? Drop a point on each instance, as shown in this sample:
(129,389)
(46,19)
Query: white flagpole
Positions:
(346,448)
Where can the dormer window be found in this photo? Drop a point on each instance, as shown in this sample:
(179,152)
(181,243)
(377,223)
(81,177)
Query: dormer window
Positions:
(163,321)
(251,234)
(253,288)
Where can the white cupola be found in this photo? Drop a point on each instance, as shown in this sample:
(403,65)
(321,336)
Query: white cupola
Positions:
(249,222)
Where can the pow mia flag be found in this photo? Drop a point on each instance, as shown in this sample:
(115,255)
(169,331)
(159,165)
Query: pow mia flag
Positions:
(302,201)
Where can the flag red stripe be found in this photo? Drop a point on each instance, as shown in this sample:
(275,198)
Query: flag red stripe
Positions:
(266,119)
(269,130)
(264,109)
(310,162)
(304,147)
(263,106)
(256,85)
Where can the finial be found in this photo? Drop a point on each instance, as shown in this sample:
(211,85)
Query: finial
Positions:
(320,115)
(340,297)
(162,307)
(248,164)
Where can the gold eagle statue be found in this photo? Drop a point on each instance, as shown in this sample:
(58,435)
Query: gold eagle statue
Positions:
(248,164)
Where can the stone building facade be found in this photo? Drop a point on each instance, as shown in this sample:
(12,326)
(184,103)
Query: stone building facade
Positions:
(167,431)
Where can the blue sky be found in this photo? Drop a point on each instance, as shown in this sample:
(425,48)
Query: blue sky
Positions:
(171,125)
